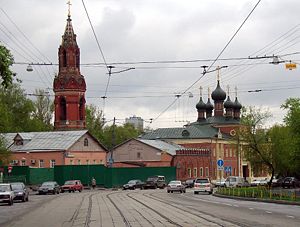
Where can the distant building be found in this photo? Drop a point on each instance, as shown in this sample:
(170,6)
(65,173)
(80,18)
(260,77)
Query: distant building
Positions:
(137,122)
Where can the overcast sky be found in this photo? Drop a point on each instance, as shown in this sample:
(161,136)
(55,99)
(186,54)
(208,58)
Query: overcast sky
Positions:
(160,30)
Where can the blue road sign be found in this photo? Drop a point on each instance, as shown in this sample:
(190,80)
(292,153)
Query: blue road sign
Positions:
(220,163)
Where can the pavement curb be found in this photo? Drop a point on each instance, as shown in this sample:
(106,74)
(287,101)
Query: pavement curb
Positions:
(258,200)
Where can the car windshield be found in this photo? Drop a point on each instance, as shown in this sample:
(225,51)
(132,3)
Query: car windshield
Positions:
(71,182)
(4,188)
(132,182)
(189,181)
(175,182)
(47,184)
(201,181)
(16,186)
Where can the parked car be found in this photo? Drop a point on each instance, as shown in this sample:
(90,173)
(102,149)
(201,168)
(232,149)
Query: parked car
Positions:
(175,186)
(203,185)
(72,186)
(259,182)
(277,182)
(234,181)
(20,190)
(155,182)
(49,187)
(290,182)
(189,183)
(7,195)
(220,182)
(133,184)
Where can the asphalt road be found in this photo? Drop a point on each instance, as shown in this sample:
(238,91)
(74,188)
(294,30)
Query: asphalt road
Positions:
(145,208)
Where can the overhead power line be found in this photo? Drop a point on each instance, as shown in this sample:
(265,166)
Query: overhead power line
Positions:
(216,59)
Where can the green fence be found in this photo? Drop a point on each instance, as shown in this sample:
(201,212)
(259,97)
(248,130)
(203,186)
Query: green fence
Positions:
(105,177)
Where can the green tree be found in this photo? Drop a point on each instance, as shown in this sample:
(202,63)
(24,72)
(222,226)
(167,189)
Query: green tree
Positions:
(292,120)
(5,154)
(44,108)
(94,121)
(114,135)
(258,149)
(6,60)
(283,147)
(16,111)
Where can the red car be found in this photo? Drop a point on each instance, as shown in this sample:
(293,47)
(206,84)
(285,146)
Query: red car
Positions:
(72,186)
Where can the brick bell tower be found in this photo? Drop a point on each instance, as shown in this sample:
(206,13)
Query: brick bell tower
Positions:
(69,85)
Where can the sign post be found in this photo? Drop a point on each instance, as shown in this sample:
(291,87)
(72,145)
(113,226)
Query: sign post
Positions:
(220,164)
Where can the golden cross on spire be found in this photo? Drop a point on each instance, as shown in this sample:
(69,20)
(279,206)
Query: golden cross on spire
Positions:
(235,91)
(218,74)
(200,91)
(208,91)
(69,7)
(228,90)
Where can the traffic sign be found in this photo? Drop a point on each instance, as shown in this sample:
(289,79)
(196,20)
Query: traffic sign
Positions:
(220,163)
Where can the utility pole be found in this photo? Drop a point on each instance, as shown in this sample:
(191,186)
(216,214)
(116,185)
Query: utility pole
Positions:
(113,137)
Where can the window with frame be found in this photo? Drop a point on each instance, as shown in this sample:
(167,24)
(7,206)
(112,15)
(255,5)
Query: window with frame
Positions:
(23,163)
(71,162)
(189,172)
(87,162)
(52,163)
(206,172)
(201,172)
(79,162)
(195,172)
(230,152)
(138,155)
(101,161)
(86,142)
(94,161)
(41,163)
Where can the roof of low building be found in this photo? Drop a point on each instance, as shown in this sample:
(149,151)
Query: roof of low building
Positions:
(43,141)
(170,148)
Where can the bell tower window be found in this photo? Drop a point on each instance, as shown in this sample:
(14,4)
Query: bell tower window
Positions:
(77,59)
(81,105)
(63,109)
(64,58)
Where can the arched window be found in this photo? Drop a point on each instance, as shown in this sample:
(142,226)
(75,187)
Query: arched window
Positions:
(63,109)
(81,109)
(64,58)
(86,142)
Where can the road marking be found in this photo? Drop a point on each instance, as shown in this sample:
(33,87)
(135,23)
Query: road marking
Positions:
(227,204)
(236,205)
(289,216)
(251,208)
(269,212)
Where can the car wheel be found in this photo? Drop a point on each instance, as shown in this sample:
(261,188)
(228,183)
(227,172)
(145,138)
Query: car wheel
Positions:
(183,191)
(53,192)
(80,190)
(168,191)
(24,199)
(62,191)
(70,191)
(27,199)
(196,193)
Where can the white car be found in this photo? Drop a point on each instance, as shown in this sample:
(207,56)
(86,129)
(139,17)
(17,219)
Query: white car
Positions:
(203,185)
(175,185)
(7,195)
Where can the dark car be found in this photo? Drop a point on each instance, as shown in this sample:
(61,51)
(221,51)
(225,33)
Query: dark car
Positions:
(72,186)
(20,191)
(290,182)
(133,184)
(189,183)
(49,187)
(155,182)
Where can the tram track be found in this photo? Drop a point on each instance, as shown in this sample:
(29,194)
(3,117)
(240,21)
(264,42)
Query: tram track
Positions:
(179,205)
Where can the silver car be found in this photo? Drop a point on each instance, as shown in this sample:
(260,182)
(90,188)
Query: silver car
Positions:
(176,186)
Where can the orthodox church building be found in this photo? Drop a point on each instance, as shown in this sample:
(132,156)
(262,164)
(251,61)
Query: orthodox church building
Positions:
(70,143)
(210,138)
